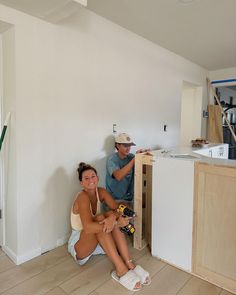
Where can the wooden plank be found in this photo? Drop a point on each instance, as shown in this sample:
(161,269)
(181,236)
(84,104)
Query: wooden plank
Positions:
(215,129)
(139,191)
(148,216)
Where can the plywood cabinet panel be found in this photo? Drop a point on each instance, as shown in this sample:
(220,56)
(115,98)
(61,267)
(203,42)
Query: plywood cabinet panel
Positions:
(214,239)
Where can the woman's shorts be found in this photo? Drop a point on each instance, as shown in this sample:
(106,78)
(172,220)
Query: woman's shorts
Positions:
(75,235)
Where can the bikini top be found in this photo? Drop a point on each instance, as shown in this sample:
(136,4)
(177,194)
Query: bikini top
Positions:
(75,219)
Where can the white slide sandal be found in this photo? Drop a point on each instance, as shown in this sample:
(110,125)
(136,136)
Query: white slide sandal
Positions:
(129,280)
(143,275)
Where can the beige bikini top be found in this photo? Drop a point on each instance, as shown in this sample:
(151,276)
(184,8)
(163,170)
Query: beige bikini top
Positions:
(75,219)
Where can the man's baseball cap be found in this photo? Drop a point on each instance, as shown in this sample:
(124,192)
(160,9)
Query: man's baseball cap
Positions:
(124,138)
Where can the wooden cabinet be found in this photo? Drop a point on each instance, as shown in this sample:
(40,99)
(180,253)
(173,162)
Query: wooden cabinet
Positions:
(193,215)
(214,236)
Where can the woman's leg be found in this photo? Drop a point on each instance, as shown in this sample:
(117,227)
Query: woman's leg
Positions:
(86,244)
(109,246)
(122,246)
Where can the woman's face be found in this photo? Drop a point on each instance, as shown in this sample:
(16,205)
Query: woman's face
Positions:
(89,180)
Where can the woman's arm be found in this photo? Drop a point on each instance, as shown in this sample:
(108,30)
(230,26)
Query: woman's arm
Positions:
(120,221)
(89,225)
(107,198)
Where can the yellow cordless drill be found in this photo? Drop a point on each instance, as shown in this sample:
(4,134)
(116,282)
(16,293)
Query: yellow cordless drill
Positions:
(126,212)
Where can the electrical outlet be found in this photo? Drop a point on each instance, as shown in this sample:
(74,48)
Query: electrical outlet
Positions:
(165,128)
(114,128)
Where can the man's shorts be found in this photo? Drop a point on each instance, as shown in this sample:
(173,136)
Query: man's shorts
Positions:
(75,235)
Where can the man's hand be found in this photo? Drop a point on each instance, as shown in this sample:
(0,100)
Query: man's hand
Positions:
(142,151)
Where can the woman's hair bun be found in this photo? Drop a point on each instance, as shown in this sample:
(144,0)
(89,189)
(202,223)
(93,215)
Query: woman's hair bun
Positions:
(83,167)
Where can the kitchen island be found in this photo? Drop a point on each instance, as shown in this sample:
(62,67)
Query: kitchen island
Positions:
(192,202)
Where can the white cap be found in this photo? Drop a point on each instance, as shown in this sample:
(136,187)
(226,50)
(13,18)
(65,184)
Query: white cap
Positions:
(124,138)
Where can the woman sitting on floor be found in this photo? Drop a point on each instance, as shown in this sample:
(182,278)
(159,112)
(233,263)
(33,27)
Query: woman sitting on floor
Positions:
(95,233)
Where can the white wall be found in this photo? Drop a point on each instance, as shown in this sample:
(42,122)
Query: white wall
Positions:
(73,81)
(9,146)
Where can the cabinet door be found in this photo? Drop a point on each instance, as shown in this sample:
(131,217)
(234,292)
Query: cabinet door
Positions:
(214,238)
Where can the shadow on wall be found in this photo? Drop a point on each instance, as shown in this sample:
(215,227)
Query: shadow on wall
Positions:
(100,164)
(60,190)
(55,219)
(109,145)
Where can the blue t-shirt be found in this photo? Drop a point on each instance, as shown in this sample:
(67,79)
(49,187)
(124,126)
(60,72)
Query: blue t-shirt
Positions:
(123,189)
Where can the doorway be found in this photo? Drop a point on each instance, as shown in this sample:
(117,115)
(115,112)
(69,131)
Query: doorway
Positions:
(227,97)
(191,113)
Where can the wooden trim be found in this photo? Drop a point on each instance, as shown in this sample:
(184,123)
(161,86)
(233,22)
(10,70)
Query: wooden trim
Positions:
(141,239)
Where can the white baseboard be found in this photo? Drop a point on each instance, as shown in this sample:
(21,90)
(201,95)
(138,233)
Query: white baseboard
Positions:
(10,253)
(63,240)
(19,259)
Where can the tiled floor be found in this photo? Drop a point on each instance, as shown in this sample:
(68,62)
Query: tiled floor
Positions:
(56,273)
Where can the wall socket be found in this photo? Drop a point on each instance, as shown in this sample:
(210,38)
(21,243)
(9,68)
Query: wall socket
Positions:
(165,128)
(114,128)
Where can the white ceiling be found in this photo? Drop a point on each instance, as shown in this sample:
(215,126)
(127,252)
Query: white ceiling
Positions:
(202,31)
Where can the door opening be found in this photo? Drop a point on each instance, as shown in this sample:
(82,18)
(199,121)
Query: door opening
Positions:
(191,113)
(227,96)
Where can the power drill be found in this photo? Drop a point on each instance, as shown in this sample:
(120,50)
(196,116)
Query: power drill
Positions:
(125,211)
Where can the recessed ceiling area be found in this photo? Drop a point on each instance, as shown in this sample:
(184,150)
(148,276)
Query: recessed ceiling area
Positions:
(201,31)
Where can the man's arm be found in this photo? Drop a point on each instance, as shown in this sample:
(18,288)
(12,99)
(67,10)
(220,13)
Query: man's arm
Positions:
(121,173)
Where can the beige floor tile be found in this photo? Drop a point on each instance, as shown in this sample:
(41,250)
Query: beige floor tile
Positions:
(168,281)
(12,277)
(87,281)
(137,254)
(224,292)
(20,273)
(45,261)
(56,273)
(56,291)
(5,263)
(1,252)
(114,288)
(196,286)
(150,263)
(47,280)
